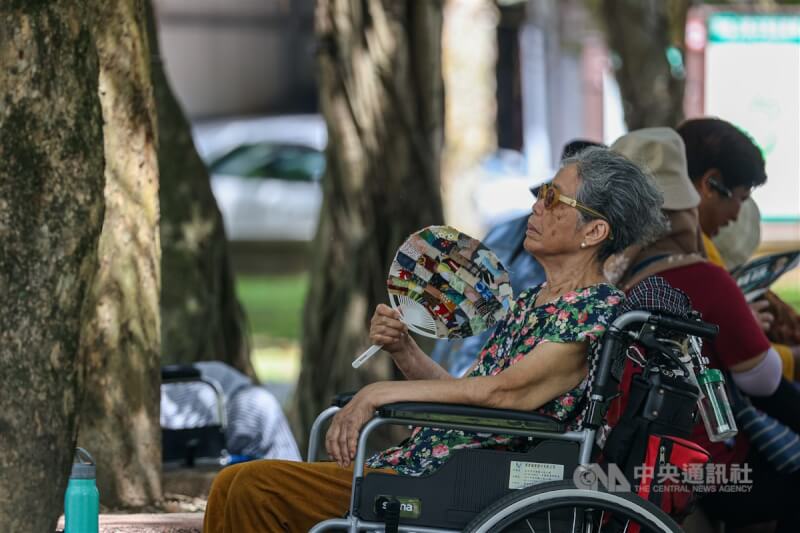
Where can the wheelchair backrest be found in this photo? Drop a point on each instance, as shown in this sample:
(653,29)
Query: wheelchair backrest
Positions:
(652,329)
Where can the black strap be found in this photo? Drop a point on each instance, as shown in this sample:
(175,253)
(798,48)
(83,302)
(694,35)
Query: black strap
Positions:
(627,441)
(638,449)
(392,516)
(646,262)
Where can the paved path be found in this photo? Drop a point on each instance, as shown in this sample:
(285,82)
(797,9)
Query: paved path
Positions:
(149,523)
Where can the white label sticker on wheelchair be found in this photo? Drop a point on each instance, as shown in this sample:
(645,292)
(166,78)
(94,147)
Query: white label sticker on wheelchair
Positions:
(525,473)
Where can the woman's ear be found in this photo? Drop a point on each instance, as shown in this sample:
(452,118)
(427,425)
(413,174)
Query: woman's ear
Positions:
(704,188)
(596,231)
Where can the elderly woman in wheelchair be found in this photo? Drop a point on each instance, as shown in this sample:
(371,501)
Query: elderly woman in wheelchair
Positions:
(525,413)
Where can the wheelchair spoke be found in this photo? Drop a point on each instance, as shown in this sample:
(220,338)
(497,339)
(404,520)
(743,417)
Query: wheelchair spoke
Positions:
(547,508)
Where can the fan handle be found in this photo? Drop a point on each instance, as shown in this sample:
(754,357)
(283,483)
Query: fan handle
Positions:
(369,352)
(401,304)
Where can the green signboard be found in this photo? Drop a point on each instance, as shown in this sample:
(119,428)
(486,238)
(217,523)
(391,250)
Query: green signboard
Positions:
(751,28)
(752,79)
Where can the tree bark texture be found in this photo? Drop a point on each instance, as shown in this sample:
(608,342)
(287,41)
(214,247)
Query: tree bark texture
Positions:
(379,67)
(121,341)
(51,214)
(201,317)
(639,33)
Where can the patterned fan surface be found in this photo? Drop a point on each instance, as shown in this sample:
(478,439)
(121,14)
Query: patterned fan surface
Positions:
(447,284)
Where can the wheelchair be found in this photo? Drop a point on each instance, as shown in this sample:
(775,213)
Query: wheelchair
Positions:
(200,445)
(545,488)
(191,446)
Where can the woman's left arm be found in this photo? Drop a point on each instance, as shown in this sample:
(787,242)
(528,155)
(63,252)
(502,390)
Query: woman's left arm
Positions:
(548,372)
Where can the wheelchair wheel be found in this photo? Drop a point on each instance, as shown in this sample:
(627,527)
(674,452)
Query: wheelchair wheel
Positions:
(561,506)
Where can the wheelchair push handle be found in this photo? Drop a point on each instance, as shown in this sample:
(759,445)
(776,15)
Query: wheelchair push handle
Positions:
(690,326)
(180,373)
(698,328)
(616,338)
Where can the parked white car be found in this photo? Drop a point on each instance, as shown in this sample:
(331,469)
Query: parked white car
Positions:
(265,174)
(266,177)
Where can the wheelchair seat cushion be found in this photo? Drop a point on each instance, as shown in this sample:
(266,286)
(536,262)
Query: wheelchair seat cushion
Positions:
(577,316)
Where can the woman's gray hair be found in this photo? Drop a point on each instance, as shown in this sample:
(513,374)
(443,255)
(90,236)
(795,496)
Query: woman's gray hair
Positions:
(624,193)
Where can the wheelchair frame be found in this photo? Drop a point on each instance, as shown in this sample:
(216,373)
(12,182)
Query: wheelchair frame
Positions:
(176,374)
(484,420)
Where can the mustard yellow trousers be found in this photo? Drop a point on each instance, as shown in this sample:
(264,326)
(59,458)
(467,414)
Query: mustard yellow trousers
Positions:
(271,496)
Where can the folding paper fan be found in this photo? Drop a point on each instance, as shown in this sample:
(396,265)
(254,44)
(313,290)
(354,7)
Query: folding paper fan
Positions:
(446,285)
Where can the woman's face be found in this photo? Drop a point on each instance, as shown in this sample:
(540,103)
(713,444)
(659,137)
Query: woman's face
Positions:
(555,231)
(718,210)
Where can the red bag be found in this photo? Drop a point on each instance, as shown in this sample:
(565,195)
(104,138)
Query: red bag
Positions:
(648,443)
(665,477)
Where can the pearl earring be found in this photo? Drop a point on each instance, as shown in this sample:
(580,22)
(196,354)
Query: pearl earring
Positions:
(583,245)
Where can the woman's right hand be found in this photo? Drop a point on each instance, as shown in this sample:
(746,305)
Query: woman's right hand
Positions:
(759,308)
(388,330)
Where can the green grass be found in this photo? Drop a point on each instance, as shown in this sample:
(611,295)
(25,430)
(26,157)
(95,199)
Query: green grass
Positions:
(274,307)
(790,295)
(274,304)
(277,363)
(788,288)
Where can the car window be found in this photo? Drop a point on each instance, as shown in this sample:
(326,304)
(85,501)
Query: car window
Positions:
(269,160)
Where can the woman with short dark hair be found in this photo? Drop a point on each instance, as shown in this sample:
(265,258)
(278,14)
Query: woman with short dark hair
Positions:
(724,165)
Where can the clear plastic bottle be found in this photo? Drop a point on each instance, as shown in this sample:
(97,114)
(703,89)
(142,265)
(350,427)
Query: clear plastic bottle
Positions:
(715,409)
(82,499)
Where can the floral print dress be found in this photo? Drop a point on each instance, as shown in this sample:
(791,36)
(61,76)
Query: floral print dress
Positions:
(576,316)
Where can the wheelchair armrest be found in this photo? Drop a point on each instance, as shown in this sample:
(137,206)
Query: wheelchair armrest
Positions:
(435,414)
(343,398)
(422,413)
(179,373)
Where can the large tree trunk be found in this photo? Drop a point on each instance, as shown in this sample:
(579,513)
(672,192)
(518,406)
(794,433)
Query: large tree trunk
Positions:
(379,66)
(640,33)
(51,213)
(201,318)
(119,418)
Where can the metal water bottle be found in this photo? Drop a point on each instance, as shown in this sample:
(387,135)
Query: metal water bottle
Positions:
(82,499)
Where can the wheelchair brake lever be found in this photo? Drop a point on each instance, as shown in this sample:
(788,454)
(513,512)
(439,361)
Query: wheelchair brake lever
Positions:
(649,341)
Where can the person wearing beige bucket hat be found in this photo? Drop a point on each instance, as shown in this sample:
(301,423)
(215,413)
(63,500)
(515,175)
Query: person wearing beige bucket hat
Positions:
(741,346)
(660,151)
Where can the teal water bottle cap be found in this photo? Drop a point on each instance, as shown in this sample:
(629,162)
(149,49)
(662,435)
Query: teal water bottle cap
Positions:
(83,467)
(711,375)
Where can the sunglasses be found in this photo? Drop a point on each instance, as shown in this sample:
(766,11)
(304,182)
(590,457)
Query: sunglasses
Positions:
(720,188)
(550,196)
